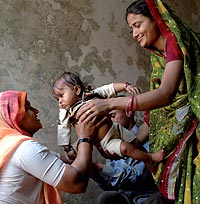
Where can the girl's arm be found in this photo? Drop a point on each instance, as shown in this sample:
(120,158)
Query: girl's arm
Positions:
(111,90)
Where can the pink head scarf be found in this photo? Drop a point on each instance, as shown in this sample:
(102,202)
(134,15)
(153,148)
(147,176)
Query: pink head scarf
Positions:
(12,110)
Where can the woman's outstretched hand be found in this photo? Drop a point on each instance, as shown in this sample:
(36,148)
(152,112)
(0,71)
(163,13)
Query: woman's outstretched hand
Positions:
(92,109)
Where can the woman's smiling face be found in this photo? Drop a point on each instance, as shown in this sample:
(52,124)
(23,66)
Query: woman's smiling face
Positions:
(30,123)
(144,29)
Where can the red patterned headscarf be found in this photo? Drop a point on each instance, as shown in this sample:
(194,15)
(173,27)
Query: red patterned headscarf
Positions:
(12,110)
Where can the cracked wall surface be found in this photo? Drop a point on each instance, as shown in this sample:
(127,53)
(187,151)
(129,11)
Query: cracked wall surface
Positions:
(39,39)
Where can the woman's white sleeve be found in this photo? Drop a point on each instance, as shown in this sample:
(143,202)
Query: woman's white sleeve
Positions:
(36,159)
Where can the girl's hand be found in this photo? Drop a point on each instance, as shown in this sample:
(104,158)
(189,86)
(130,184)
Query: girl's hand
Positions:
(133,89)
(65,158)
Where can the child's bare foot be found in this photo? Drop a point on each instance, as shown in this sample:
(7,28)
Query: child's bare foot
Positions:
(157,156)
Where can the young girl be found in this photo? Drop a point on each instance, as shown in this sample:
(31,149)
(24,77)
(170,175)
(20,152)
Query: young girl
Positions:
(70,93)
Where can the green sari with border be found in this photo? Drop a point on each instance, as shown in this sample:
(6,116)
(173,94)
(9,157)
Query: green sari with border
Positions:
(175,127)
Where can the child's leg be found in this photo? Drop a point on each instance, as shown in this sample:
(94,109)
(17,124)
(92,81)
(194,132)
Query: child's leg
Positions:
(157,156)
(128,149)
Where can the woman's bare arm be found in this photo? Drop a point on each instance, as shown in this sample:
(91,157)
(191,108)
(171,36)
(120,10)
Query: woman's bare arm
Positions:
(76,175)
(146,101)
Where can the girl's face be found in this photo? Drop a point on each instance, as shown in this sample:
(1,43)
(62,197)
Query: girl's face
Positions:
(30,123)
(144,30)
(66,96)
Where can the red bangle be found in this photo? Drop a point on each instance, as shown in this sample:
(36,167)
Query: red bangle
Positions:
(130,103)
(135,104)
(126,84)
(146,118)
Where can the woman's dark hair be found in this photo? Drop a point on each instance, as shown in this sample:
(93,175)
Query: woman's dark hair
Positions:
(70,79)
(139,7)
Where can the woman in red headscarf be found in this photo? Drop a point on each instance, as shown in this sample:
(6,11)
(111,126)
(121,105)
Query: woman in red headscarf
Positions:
(29,172)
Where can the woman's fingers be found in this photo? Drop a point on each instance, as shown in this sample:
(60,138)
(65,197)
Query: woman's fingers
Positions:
(91,109)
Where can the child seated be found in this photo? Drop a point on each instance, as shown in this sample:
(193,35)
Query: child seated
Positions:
(70,93)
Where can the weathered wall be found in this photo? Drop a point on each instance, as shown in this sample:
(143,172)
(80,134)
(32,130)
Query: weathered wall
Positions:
(39,39)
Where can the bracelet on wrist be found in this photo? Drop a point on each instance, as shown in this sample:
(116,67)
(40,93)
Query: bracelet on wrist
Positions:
(85,139)
(130,103)
(68,148)
(135,103)
(126,84)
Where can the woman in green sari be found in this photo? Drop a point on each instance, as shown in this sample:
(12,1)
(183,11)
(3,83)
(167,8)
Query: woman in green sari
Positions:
(173,99)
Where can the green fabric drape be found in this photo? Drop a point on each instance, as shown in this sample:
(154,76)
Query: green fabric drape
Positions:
(174,127)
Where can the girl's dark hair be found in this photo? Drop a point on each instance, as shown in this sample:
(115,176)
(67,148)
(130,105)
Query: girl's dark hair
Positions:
(70,79)
(139,7)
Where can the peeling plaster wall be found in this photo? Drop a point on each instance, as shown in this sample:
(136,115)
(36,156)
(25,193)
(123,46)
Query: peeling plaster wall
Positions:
(39,39)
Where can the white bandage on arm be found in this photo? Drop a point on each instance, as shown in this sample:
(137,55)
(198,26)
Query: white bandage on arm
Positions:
(63,128)
(106,91)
